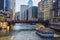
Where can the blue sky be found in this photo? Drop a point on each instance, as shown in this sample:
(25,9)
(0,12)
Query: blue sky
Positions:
(24,2)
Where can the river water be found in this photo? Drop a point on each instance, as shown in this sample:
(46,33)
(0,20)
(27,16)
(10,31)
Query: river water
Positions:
(27,34)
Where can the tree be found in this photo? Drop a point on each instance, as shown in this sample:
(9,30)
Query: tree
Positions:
(1,18)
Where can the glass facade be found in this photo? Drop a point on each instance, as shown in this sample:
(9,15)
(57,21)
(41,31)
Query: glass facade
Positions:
(8,4)
(1,4)
(30,3)
(34,12)
(59,4)
(56,9)
(58,12)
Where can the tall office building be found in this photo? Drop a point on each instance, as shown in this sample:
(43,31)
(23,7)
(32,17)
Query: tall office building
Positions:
(55,20)
(13,7)
(26,15)
(55,9)
(17,15)
(41,10)
(23,8)
(1,4)
(44,9)
(30,3)
(47,9)
(32,13)
(10,7)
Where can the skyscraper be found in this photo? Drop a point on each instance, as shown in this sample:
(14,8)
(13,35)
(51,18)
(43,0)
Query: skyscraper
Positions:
(32,13)
(26,15)
(30,3)
(13,7)
(44,9)
(9,5)
(17,15)
(23,8)
(1,4)
(56,8)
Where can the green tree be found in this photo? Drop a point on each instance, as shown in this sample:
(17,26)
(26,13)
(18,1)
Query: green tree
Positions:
(1,18)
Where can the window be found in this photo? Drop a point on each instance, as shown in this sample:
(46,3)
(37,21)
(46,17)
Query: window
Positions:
(53,14)
(58,12)
(59,3)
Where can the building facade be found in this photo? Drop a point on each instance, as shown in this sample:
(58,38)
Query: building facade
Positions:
(26,15)
(1,4)
(44,8)
(23,8)
(41,10)
(9,6)
(14,8)
(56,10)
(30,3)
(55,22)
(32,13)
(17,15)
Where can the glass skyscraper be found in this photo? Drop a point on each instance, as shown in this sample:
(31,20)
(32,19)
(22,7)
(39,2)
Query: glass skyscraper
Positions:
(30,3)
(7,5)
(1,4)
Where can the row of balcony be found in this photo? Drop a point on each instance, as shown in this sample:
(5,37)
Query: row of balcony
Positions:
(55,19)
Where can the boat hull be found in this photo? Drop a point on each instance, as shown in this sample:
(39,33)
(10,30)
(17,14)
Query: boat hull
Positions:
(44,35)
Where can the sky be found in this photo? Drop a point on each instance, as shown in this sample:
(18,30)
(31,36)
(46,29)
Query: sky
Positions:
(25,2)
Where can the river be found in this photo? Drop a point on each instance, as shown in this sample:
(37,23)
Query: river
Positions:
(28,34)
(23,31)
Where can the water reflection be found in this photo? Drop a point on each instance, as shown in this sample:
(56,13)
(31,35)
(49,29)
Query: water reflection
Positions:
(30,35)
(24,35)
(19,26)
(7,38)
(4,32)
(49,38)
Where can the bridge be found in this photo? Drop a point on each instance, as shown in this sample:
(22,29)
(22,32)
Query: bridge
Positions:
(22,21)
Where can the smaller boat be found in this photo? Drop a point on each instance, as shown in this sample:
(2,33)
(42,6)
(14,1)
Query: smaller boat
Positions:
(45,32)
